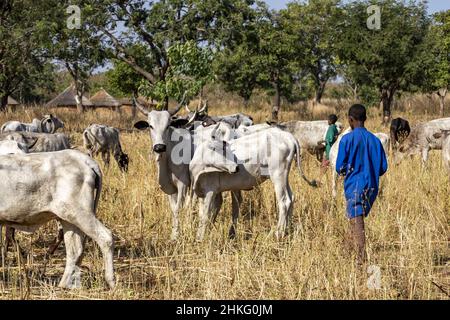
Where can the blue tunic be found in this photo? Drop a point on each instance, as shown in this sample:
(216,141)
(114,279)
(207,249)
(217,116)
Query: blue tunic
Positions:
(361,159)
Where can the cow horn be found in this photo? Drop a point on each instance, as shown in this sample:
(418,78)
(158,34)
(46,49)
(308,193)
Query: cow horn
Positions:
(192,119)
(53,130)
(187,109)
(180,105)
(140,107)
(205,107)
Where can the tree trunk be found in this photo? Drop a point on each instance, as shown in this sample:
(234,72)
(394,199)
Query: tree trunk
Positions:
(165,103)
(3,102)
(320,89)
(386,98)
(442,93)
(276,102)
(133,106)
(80,107)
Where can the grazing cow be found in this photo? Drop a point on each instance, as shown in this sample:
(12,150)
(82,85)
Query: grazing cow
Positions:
(422,140)
(444,135)
(105,140)
(48,124)
(310,135)
(39,142)
(63,185)
(242,164)
(400,130)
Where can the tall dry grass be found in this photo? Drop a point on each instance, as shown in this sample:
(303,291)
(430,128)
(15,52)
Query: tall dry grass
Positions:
(407,231)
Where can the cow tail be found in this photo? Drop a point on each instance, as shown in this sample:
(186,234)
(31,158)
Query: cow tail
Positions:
(98,185)
(312,183)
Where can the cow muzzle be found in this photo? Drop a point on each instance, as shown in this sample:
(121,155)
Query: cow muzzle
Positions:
(160,148)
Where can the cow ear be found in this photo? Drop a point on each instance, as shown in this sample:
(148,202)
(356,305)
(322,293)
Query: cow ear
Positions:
(437,135)
(142,125)
(179,123)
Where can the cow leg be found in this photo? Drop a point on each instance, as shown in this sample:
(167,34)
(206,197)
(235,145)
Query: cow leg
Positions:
(218,200)
(333,185)
(106,158)
(284,202)
(59,238)
(10,237)
(205,212)
(236,200)
(176,202)
(94,229)
(425,153)
(74,242)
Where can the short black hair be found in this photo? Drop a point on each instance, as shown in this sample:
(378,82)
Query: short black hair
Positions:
(333,118)
(358,112)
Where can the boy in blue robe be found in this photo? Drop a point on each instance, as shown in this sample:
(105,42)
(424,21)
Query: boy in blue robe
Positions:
(361,159)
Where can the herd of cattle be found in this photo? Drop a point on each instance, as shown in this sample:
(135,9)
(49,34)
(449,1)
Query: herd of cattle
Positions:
(198,157)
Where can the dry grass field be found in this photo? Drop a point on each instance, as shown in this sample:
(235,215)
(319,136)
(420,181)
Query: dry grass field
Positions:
(408,233)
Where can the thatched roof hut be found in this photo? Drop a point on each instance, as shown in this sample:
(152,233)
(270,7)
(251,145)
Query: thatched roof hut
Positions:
(67,99)
(104,99)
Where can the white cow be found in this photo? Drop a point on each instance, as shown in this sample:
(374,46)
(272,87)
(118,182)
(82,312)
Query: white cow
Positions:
(310,134)
(243,164)
(63,185)
(421,140)
(48,124)
(173,174)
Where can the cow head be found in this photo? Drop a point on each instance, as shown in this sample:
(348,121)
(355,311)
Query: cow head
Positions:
(212,156)
(244,120)
(159,123)
(50,124)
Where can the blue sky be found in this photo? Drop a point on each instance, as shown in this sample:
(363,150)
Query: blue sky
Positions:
(433,5)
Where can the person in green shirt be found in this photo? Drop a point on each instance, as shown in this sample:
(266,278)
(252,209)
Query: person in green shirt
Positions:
(330,139)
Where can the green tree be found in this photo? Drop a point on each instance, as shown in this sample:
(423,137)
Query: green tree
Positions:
(123,80)
(435,64)
(313,24)
(385,58)
(22,56)
(158,26)
(78,48)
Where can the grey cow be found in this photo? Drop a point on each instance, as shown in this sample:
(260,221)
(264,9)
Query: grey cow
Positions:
(421,140)
(39,142)
(63,185)
(105,140)
(310,134)
(234,120)
(48,124)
